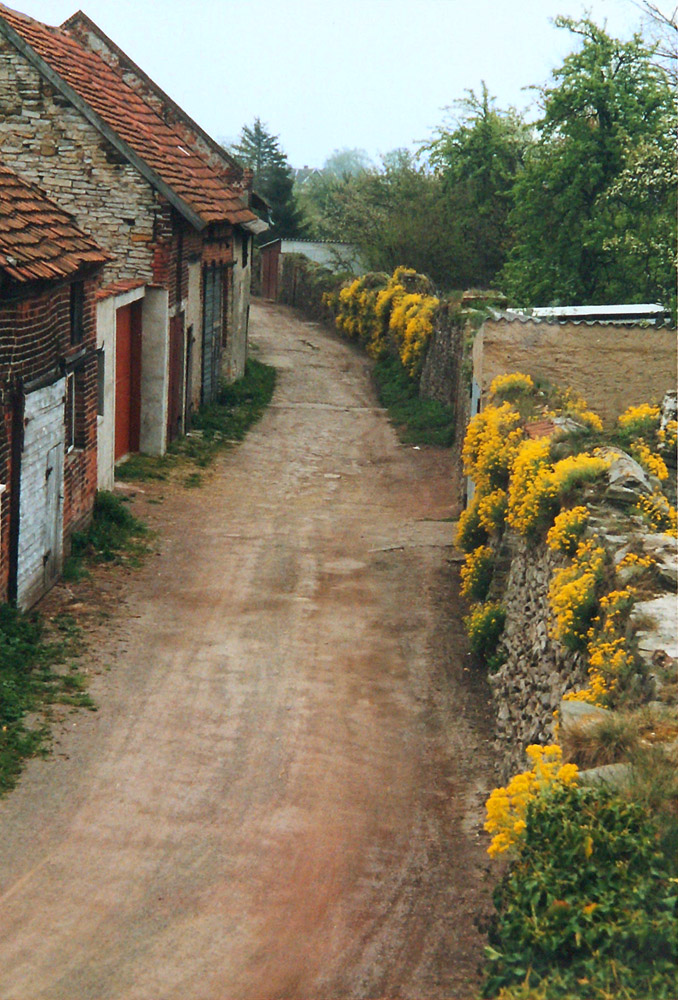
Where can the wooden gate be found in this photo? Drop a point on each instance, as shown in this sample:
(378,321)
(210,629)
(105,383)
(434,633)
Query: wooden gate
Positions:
(127,379)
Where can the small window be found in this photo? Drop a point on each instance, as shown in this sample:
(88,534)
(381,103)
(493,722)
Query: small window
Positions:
(77,312)
(101,376)
(70,412)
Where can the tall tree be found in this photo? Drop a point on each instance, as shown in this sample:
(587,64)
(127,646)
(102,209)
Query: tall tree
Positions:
(478,155)
(610,100)
(259,150)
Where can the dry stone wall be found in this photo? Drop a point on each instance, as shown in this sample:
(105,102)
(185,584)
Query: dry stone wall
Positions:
(538,670)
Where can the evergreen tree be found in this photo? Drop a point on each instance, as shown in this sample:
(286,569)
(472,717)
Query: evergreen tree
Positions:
(259,150)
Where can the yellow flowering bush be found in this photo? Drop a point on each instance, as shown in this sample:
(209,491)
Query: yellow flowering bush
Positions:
(650,460)
(667,437)
(411,325)
(470,531)
(573,595)
(658,513)
(532,496)
(476,573)
(491,441)
(507,807)
(609,653)
(492,510)
(639,421)
(509,387)
(574,405)
(567,530)
(484,627)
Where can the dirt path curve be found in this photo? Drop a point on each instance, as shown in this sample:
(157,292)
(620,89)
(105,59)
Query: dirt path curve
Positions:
(279,794)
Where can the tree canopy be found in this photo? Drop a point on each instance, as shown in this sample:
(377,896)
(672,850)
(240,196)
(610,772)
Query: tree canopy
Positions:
(598,174)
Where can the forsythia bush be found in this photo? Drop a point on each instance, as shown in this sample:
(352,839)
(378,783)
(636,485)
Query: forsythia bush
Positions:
(507,807)
(573,595)
(568,528)
(476,573)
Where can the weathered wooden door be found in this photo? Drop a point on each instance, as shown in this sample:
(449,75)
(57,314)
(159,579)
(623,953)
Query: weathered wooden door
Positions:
(212,322)
(40,542)
(127,379)
(176,377)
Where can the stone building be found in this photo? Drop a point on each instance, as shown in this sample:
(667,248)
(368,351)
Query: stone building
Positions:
(81,120)
(49,368)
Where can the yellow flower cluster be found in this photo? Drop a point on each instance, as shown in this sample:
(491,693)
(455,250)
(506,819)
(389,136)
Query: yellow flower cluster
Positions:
(567,530)
(667,436)
(632,559)
(490,444)
(476,573)
(492,509)
(537,487)
(507,807)
(511,386)
(653,463)
(373,309)
(658,514)
(411,325)
(608,650)
(639,421)
(532,496)
(576,406)
(573,594)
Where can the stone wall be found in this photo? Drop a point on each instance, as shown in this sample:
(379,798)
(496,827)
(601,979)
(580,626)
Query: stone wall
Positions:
(538,670)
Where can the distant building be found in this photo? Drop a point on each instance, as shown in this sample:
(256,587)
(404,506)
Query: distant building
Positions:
(332,254)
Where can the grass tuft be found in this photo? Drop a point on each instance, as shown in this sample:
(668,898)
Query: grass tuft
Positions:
(417,420)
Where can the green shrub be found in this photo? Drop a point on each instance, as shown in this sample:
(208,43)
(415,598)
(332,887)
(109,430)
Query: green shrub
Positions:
(589,907)
(484,627)
(419,421)
(112,530)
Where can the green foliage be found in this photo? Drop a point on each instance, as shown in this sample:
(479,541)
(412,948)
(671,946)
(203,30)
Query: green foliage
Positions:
(419,421)
(29,684)
(113,535)
(478,157)
(589,907)
(238,406)
(484,626)
(594,212)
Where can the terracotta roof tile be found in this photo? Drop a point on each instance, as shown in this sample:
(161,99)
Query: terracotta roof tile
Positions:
(38,240)
(164,149)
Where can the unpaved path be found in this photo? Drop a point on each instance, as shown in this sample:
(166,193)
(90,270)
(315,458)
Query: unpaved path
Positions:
(279,795)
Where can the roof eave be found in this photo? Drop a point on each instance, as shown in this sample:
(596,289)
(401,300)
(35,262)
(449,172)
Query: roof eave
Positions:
(100,125)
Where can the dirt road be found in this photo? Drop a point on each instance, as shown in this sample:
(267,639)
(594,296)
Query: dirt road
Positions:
(279,795)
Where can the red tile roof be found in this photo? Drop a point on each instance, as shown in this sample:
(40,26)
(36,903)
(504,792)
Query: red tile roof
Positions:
(119,287)
(178,164)
(38,240)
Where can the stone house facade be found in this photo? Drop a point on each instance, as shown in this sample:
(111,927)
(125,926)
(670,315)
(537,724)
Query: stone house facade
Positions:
(77,118)
(49,386)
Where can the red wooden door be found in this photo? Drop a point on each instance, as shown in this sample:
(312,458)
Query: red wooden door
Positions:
(127,379)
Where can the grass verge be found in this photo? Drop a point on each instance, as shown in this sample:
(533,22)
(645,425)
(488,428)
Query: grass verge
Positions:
(113,535)
(417,420)
(30,685)
(238,406)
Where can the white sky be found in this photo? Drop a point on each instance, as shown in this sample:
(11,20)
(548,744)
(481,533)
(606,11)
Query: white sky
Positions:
(374,74)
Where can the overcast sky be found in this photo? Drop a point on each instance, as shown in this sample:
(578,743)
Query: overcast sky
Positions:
(373,74)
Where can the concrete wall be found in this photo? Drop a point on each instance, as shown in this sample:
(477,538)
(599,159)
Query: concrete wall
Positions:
(612,367)
(154,371)
(235,353)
